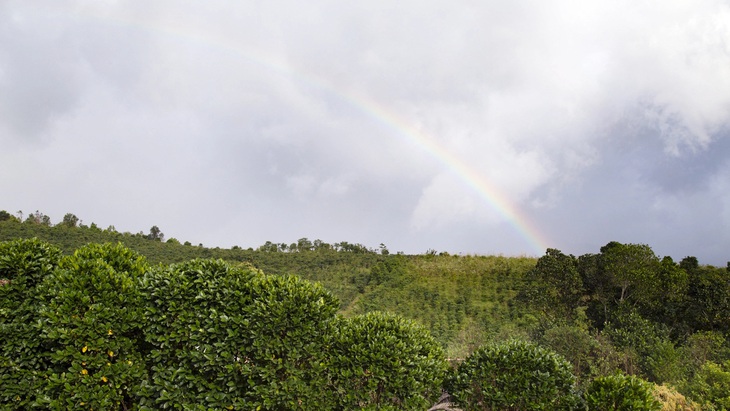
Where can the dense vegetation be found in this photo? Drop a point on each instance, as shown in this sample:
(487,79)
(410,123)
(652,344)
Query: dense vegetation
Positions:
(620,321)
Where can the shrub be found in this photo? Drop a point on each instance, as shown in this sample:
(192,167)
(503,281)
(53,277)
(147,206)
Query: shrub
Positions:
(382,361)
(225,337)
(659,360)
(711,386)
(515,375)
(24,359)
(671,400)
(620,392)
(92,320)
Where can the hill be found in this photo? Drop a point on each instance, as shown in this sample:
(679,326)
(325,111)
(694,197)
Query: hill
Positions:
(463,300)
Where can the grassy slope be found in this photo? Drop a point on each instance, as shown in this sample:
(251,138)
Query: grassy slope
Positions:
(463,300)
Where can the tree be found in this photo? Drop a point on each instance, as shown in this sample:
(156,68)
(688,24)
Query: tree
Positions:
(69,220)
(633,269)
(5,216)
(303,244)
(708,299)
(155,234)
(38,218)
(554,285)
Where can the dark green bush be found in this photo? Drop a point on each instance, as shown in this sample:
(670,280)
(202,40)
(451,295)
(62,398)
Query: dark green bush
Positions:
(24,360)
(382,361)
(92,318)
(620,392)
(515,375)
(225,337)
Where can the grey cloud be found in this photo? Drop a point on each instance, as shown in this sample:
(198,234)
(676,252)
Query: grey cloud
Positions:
(237,123)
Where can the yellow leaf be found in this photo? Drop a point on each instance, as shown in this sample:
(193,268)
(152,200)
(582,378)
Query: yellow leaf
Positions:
(104,379)
(84,371)
(110,332)
(84,349)
(111,353)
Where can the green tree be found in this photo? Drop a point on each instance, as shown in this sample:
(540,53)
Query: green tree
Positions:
(554,286)
(708,298)
(69,220)
(632,269)
(155,234)
(38,218)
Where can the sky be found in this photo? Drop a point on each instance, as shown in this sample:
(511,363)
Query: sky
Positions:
(471,127)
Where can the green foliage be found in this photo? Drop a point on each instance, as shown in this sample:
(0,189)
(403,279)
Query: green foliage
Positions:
(659,359)
(515,375)
(5,216)
(708,299)
(625,310)
(381,361)
(24,358)
(70,220)
(632,268)
(590,355)
(554,286)
(92,319)
(231,337)
(38,218)
(620,392)
(711,386)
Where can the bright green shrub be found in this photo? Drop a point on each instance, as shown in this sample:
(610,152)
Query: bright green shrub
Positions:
(225,337)
(382,361)
(24,359)
(515,375)
(620,392)
(92,319)
(711,386)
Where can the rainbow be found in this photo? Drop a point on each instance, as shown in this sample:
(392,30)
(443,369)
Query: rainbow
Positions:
(481,185)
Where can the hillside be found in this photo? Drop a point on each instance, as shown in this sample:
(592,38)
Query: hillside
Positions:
(462,300)
(622,309)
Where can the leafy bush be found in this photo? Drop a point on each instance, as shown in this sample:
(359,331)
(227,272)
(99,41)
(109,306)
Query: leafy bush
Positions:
(225,337)
(515,375)
(659,360)
(92,320)
(382,361)
(711,386)
(620,392)
(24,359)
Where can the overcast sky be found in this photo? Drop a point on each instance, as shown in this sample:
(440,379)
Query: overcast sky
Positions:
(473,127)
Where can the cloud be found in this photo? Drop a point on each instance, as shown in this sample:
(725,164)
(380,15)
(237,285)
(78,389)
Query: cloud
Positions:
(376,122)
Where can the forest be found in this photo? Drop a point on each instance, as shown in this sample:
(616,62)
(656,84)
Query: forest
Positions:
(93,318)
